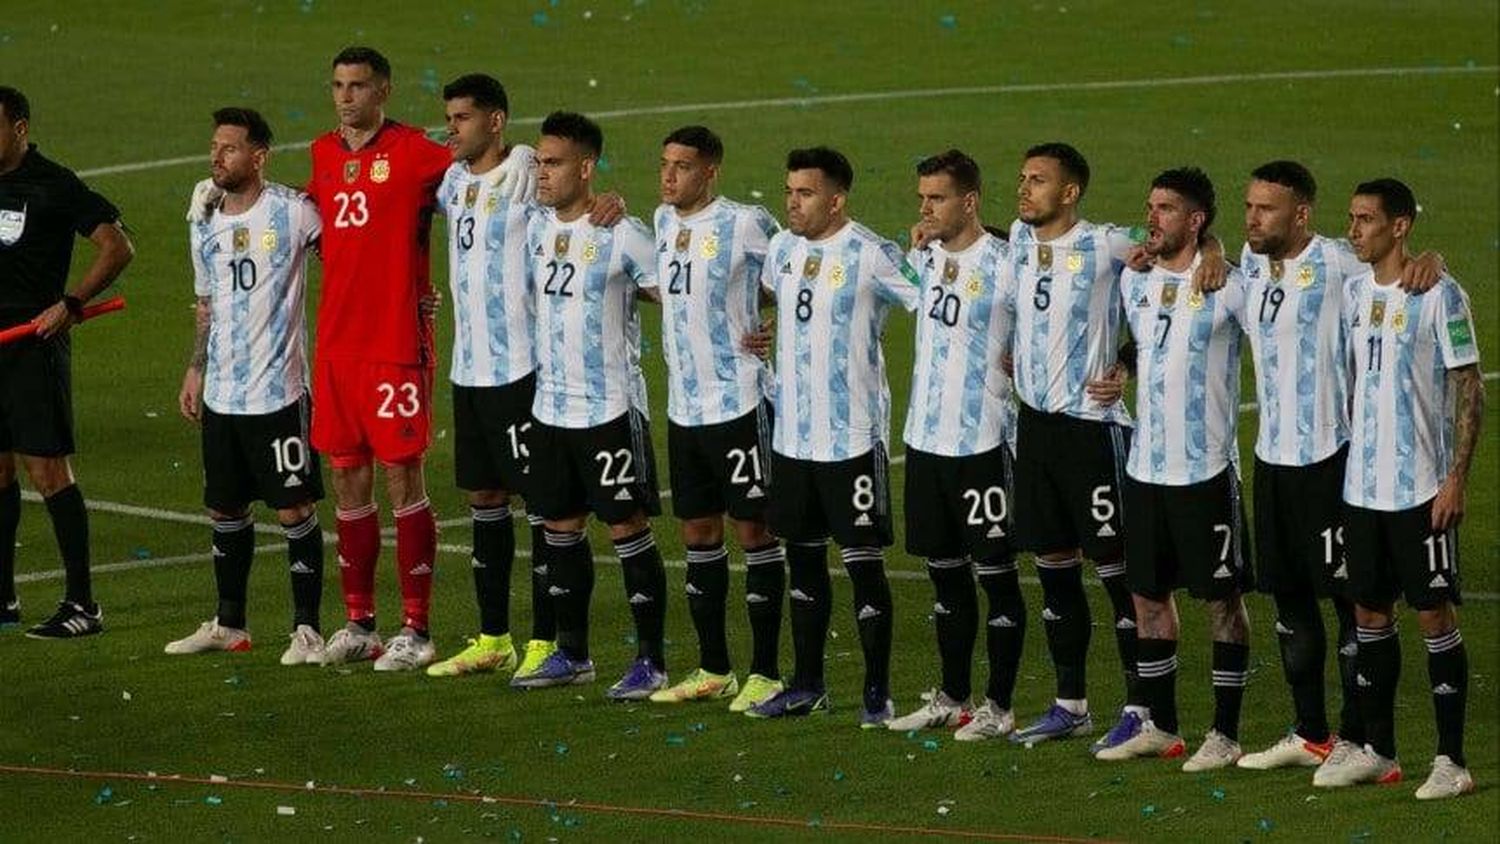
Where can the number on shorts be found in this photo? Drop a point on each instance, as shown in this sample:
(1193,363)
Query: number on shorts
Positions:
(352,212)
(1437,552)
(291,455)
(615,467)
(863,498)
(1228,538)
(407,406)
(986,506)
(1332,538)
(1102,509)
(518,448)
(744,458)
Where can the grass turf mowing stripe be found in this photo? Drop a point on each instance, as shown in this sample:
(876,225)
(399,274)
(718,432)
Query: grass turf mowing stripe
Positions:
(906,94)
(533,802)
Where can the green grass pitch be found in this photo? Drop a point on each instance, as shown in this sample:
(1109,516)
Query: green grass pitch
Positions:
(119,83)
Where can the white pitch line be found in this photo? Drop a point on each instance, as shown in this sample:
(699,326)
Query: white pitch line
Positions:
(908,94)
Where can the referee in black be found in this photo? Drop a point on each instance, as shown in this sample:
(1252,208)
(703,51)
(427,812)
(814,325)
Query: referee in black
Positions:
(42,206)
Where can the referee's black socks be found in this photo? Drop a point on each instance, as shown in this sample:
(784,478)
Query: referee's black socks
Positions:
(872,612)
(811,607)
(234,546)
(304,554)
(10,520)
(494,555)
(646,589)
(70,524)
(955,614)
(707,591)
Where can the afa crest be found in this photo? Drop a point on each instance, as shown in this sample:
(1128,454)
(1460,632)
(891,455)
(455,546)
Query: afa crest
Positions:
(1044,257)
(709,248)
(1305,276)
(590,252)
(561,243)
(1169,294)
(836,276)
(684,239)
(241,238)
(268,240)
(1075,263)
(380,170)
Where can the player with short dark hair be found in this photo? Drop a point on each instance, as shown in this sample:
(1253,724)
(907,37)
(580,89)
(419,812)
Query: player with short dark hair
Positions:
(1184,525)
(43,207)
(709,254)
(1418,403)
(374,181)
(959,429)
(591,444)
(246,383)
(834,282)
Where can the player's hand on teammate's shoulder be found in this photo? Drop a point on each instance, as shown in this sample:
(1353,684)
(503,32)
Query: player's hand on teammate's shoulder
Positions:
(1421,273)
(920,236)
(1138,259)
(430,303)
(760,341)
(1213,269)
(206,196)
(608,209)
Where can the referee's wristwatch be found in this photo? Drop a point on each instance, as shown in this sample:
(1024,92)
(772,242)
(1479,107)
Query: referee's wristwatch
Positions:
(74,306)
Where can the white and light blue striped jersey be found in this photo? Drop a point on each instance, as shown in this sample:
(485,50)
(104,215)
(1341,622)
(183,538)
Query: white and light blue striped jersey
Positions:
(1401,348)
(709,269)
(1067,316)
(584,281)
(1301,377)
(1187,375)
(832,298)
(492,306)
(961,402)
(252,267)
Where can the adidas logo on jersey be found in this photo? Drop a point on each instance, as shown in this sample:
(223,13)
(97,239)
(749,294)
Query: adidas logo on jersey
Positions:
(1125,624)
(1222,572)
(995,532)
(866,613)
(1001,621)
(475,563)
(1049,615)
(1437,581)
(623,495)
(799,595)
(1105,530)
(292,481)
(1282,629)
(639,598)
(300,567)
(1444,689)
(755,492)
(786,269)
(863,520)
(1143,302)
(421,568)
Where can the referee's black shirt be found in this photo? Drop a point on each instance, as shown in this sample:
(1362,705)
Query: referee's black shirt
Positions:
(43,206)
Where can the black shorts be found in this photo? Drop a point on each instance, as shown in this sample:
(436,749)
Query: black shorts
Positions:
(721,468)
(1299,527)
(608,470)
(848,500)
(959,506)
(1398,554)
(259,457)
(1068,474)
(491,428)
(1186,536)
(36,397)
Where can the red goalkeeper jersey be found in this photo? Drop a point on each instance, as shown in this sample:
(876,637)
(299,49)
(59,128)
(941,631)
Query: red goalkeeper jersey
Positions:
(376,204)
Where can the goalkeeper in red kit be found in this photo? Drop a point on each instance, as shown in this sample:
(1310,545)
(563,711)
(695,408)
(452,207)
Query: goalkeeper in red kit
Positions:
(374,182)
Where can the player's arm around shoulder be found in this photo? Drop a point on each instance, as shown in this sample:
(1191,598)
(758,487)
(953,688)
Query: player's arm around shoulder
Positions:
(638,257)
(896,279)
(1460,352)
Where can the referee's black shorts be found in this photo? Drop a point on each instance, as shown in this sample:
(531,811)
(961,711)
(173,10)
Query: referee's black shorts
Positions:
(36,397)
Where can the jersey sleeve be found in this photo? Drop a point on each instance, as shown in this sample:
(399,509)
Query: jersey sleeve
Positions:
(1342,253)
(895,280)
(638,252)
(86,209)
(433,159)
(203,277)
(1455,326)
(757,228)
(1234,295)
(309,222)
(518,174)
(445,191)
(774,256)
(1119,242)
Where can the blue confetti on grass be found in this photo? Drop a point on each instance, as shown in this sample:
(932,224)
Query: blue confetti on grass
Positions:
(948,22)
